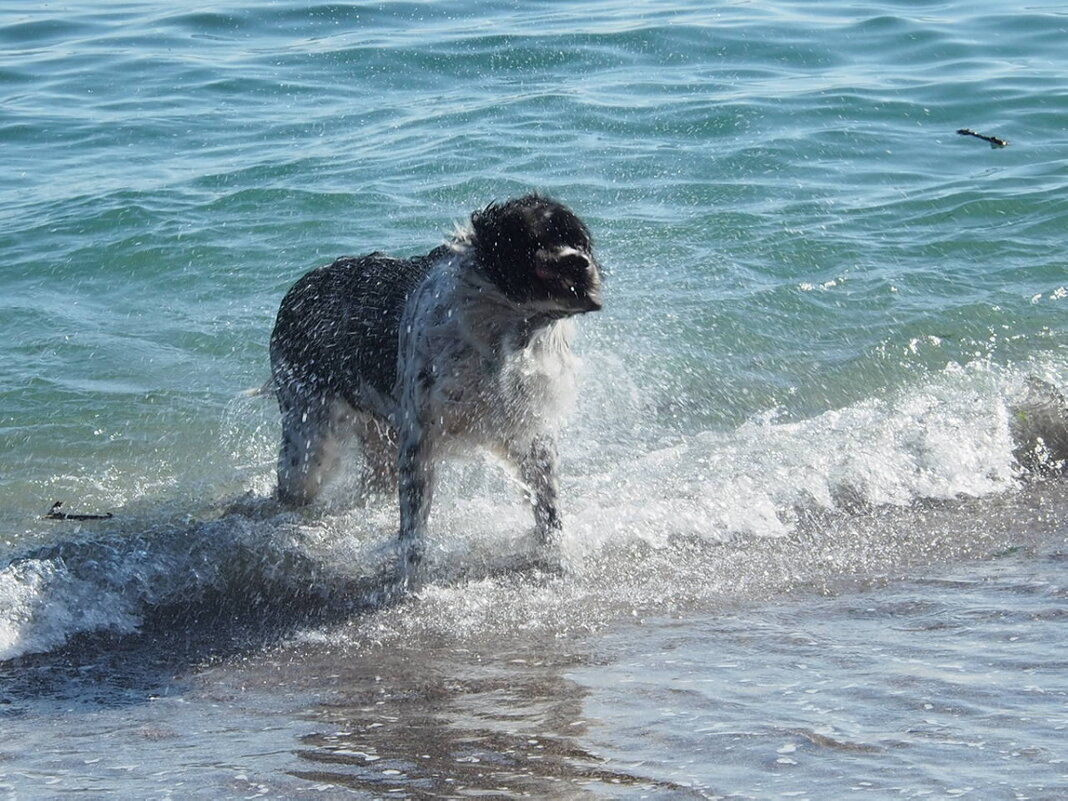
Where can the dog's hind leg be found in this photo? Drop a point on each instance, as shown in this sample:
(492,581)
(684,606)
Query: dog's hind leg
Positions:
(308,457)
(379,443)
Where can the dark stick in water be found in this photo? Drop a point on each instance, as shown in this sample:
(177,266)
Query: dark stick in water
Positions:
(993,140)
(55,514)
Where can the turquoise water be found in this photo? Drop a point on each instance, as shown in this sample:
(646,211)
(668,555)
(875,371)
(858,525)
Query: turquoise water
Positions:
(824,310)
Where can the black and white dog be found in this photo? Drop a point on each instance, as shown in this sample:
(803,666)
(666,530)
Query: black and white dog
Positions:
(467,345)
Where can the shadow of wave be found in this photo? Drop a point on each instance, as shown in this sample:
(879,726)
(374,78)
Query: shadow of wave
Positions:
(116,618)
(115,668)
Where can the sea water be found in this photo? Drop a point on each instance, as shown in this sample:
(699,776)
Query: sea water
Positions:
(815,538)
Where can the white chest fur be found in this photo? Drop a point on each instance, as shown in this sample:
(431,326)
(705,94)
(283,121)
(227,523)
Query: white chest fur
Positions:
(472,369)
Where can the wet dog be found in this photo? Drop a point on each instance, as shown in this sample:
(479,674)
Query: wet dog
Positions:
(468,345)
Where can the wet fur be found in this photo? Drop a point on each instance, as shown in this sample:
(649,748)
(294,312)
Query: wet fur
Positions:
(468,345)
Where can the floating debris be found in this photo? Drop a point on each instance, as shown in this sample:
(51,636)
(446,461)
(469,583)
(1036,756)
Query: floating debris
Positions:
(993,140)
(55,514)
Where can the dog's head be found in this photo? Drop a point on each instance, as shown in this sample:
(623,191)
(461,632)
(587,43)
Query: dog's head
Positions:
(539,254)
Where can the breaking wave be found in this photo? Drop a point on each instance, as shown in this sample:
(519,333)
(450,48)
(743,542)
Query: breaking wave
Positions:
(680,520)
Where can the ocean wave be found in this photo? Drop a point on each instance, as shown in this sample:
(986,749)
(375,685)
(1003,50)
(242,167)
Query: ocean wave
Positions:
(763,508)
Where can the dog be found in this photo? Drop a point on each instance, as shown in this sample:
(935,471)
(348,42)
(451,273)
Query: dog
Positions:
(466,346)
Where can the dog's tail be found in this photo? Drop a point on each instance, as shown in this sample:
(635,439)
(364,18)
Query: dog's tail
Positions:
(268,388)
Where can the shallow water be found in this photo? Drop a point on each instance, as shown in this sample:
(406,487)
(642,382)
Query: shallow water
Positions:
(948,683)
(815,537)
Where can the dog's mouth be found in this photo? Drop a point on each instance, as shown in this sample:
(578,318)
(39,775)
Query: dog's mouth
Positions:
(581,304)
(593,303)
(550,316)
(553,315)
(570,307)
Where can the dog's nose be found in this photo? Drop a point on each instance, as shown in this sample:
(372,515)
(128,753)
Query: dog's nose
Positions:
(593,303)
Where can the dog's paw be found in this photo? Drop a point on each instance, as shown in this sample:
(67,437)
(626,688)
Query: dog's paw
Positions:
(410,565)
(547,556)
(548,563)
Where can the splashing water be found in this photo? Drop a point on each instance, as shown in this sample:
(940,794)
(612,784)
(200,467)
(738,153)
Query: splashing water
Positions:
(694,519)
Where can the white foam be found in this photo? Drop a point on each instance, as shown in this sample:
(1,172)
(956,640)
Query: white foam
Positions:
(949,439)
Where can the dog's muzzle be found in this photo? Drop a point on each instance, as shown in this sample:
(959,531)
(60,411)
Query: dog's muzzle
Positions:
(592,289)
(573,279)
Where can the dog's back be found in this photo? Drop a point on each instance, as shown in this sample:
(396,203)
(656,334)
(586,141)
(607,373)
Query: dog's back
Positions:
(337,328)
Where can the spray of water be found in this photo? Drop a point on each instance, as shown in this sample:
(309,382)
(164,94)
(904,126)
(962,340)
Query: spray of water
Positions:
(657,521)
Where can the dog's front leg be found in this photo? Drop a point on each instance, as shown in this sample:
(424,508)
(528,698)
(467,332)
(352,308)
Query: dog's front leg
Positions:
(537,468)
(415,473)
